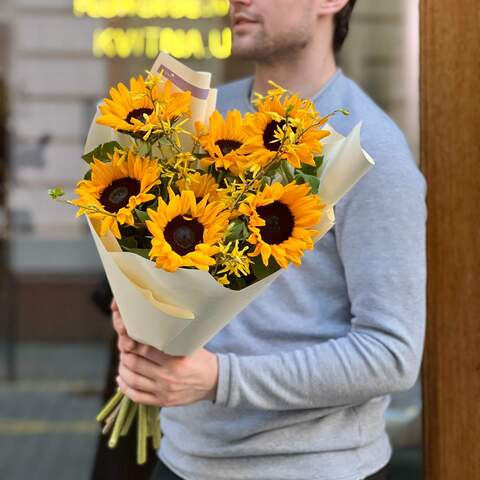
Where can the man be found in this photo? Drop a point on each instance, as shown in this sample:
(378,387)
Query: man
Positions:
(297,385)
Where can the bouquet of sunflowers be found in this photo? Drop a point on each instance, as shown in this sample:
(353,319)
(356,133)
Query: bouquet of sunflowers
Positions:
(194,214)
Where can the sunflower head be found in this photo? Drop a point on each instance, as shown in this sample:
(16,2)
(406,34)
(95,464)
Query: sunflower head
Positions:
(280,219)
(285,127)
(144,107)
(116,188)
(126,108)
(222,141)
(186,232)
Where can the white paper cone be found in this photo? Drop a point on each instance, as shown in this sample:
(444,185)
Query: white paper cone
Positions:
(326,222)
(345,164)
(184,79)
(144,321)
(176,312)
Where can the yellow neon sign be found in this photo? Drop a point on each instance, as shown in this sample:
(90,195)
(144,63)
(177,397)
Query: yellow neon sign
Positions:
(150,41)
(147,9)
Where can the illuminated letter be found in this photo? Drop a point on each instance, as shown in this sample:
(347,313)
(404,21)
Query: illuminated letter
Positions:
(173,42)
(151,41)
(220,43)
(126,41)
(79,7)
(103,43)
(194,42)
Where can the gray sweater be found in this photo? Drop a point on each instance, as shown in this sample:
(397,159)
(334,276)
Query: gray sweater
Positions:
(306,369)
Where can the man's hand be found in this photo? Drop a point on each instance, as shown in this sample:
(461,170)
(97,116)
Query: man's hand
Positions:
(151,377)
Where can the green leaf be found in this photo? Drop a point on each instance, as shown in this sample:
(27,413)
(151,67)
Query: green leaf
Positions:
(145,149)
(261,271)
(88,175)
(141,215)
(129,242)
(55,193)
(101,152)
(238,231)
(319,161)
(143,252)
(310,179)
(310,169)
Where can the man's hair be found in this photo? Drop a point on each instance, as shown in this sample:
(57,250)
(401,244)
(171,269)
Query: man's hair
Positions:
(342,21)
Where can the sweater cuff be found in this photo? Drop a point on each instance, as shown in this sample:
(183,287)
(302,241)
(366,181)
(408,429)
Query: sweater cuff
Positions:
(223,386)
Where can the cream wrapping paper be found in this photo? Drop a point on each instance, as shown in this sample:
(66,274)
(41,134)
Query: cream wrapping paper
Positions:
(179,312)
(176,312)
(345,164)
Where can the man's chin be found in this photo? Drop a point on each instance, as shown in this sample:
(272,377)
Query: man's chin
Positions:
(246,52)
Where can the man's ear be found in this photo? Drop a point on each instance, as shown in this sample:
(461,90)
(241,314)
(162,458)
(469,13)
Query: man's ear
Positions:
(330,7)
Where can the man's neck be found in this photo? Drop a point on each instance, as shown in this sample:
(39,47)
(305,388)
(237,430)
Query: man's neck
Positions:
(305,74)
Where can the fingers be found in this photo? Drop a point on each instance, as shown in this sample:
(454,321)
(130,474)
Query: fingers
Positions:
(125,344)
(114,305)
(135,380)
(118,324)
(140,365)
(137,396)
(154,355)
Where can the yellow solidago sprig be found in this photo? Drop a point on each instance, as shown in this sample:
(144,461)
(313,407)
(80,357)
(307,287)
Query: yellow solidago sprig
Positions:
(232,261)
(116,188)
(185,232)
(281,220)
(177,167)
(170,113)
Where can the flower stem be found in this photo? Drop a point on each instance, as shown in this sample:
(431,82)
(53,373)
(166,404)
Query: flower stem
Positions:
(119,422)
(142,435)
(111,404)
(129,420)
(110,420)
(286,171)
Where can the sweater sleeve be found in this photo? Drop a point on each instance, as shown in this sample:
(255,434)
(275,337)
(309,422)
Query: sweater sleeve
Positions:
(380,238)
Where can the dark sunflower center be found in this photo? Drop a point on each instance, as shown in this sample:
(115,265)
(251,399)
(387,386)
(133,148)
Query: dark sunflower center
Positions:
(183,235)
(227,146)
(279,223)
(269,135)
(269,139)
(118,193)
(137,114)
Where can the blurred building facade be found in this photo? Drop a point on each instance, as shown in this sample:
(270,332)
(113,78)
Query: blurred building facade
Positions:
(54,82)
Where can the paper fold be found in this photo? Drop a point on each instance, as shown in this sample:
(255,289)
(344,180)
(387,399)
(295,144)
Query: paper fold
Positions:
(345,164)
(164,323)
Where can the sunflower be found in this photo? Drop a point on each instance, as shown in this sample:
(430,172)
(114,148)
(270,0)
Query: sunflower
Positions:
(200,184)
(186,233)
(126,106)
(222,140)
(284,128)
(117,188)
(280,219)
(144,106)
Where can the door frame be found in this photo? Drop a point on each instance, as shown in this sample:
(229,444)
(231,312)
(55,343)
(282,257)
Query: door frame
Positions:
(450,160)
